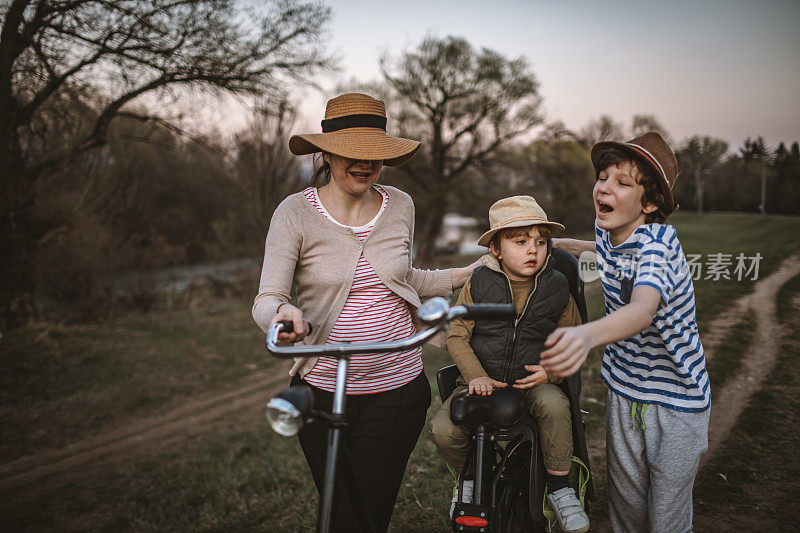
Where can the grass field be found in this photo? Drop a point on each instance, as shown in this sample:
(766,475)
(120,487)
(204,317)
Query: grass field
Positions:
(72,380)
(63,383)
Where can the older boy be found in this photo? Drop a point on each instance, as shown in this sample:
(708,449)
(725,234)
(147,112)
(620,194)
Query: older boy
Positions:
(658,400)
(500,353)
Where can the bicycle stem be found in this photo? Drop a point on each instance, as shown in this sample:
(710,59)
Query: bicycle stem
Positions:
(334,440)
(335,433)
(480,436)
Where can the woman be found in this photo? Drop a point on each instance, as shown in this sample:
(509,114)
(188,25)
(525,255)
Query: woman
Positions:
(346,247)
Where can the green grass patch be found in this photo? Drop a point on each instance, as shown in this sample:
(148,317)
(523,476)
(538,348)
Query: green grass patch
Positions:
(790,289)
(240,479)
(774,237)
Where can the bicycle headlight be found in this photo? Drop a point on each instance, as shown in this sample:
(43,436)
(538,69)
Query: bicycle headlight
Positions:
(287,411)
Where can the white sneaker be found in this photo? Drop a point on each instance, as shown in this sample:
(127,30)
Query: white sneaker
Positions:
(466,495)
(570,515)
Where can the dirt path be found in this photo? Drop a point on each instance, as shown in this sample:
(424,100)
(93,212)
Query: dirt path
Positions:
(144,436)
(729,401)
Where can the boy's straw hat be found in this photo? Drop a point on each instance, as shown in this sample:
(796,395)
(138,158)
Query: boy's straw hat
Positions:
(355,127)
(515,212)
(654,150)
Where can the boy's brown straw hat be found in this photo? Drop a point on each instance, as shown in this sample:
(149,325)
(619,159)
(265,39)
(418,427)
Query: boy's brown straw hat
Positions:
(654,150)
(515,212)
(355,127)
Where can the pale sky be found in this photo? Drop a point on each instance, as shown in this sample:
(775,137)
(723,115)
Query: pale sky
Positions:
(725,68)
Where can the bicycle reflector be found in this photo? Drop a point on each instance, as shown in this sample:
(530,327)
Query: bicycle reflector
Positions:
(472,521)
(287,411)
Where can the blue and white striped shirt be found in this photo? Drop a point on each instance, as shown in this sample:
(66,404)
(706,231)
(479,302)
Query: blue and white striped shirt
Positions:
(664,364)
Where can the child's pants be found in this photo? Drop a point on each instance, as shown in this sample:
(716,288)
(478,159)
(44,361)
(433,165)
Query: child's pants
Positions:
(548,404)
(651,468)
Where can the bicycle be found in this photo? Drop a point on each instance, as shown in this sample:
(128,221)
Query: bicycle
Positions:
(291,408)
(505,456)
(506,460)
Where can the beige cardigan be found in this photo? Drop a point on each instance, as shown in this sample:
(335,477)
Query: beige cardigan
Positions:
(319,257)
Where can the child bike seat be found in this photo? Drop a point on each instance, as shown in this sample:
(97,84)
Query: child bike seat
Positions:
(502,408)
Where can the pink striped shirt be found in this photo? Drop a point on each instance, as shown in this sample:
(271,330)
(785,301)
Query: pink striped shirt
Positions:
(373,313)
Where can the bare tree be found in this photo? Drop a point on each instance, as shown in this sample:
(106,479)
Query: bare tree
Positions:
(643,123)
(558,131)
(265,169)
(701,156)
(557,172)
(604,128)
(463,104)
(124,49)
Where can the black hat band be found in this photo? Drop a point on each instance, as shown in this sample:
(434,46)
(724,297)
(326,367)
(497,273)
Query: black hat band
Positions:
(353,121)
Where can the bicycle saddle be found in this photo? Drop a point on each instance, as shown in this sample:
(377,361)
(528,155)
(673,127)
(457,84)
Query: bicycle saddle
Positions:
(502,408)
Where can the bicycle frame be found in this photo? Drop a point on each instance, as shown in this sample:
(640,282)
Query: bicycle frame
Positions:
(436,314)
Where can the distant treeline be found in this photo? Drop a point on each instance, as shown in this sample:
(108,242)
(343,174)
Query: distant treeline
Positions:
(733,181)
(95,182)
(152,197)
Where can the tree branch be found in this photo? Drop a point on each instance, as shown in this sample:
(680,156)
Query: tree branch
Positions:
(53,84)
(169,126)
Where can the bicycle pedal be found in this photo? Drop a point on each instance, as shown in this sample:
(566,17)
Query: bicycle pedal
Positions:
(468,518)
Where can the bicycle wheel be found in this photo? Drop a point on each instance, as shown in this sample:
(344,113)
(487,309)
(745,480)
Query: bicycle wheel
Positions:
(512,514)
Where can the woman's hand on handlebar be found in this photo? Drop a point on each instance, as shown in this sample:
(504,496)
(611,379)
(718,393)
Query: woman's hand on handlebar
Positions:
(484,385)
(295,315)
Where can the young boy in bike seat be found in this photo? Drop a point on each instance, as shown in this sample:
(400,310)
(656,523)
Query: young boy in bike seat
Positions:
(501,353)
(657,407)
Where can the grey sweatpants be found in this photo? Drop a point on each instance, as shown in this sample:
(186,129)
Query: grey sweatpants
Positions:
(651,468)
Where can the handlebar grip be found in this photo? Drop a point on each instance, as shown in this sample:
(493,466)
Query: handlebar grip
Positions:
(288,326)
(491,311)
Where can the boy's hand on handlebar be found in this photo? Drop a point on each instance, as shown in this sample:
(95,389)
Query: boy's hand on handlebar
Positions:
(567,351)
(484,385)
(537,377)
(295,315)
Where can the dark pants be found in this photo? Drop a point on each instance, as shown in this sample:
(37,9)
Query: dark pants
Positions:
(383,429)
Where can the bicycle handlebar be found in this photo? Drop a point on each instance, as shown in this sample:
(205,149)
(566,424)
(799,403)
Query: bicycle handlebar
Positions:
(473,311)
(288,326)
(489,311)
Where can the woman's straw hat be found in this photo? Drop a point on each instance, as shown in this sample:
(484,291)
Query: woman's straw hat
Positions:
(355,127)
(653,150)
(516,212)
